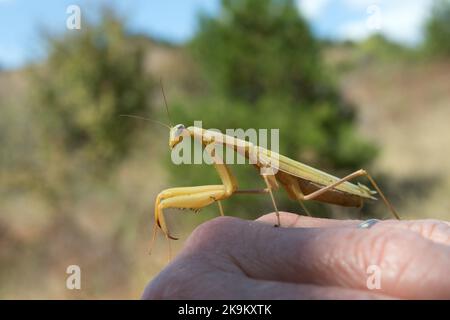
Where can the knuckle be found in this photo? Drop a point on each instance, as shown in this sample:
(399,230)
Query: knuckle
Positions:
(211,233)
(391,250)
(377,246)
(435,230)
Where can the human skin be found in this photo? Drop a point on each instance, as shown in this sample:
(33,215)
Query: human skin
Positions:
(308,258)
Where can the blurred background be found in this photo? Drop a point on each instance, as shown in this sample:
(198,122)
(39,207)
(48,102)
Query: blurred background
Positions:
(350,84)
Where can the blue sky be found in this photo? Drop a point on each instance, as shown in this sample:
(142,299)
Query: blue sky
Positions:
(399,20)
(175,20)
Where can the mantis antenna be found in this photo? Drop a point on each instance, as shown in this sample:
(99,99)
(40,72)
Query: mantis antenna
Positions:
(155,121)
(143,118)
(165,100)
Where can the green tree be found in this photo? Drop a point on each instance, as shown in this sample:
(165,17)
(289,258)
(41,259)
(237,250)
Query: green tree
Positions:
(262,68)
(437,29)
(92,76)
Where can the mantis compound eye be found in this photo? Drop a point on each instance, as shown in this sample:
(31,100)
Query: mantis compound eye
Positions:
(179,130)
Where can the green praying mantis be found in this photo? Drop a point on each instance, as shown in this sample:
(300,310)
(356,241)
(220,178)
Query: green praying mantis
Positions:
(301,182)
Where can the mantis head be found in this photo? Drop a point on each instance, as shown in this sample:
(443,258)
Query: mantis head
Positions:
(176,135)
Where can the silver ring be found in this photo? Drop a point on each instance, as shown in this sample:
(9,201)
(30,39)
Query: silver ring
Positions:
(368,223)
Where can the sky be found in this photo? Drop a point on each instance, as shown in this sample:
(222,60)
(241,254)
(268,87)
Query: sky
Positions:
(175,20)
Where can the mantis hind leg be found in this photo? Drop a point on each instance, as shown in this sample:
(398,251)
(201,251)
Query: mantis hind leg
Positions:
(302,204)
(351,176)
(298,194)
(293,189)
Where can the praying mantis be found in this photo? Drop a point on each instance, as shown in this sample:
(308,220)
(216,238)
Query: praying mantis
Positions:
(300,181)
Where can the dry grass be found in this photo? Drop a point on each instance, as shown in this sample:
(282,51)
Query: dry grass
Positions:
(405,108)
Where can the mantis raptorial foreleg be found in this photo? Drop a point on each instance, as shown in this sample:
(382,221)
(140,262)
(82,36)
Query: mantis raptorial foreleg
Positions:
(187,198)
(351,176)
(194,197)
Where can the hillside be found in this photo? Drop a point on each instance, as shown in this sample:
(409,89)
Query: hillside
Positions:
(403,107)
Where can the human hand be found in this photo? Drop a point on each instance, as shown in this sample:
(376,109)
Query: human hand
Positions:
(230,258)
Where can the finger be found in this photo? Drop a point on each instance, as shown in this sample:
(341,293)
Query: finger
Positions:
(434,230)
(292,220)
(249,289)
(196,278)
(262,290)
(410,266)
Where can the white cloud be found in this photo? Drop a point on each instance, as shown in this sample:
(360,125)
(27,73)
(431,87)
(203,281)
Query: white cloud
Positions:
(404,23)
(359,4)
(311,8)
(400,20)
